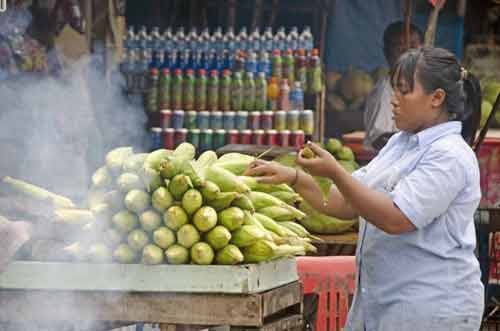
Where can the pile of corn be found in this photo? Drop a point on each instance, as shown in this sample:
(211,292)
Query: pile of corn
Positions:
(167,207)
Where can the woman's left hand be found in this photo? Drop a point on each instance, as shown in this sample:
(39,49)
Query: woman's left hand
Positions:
(323,164)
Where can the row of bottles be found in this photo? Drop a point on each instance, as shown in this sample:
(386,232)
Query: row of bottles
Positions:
(236,91)
(204,41)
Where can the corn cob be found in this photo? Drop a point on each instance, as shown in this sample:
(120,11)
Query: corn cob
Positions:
(271,225)
(73,216)
(299,230)
(287,197)
(244,203)
(278,213)
(264,250)
(226,181)
(223,200)
(247,235)
(262,200)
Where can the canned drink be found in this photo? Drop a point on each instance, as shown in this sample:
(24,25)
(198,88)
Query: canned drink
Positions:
(156,138)
(306,120)
(168,138)
(180,136)
(204,120)
(190,120)
(272,138)
(206,140)
(258,137)
(228,119)
(280,120)
(233,137)
(293,120)
(266,121)
(219,139)
(254,120)
(165,119)
(178,119)
(297,139)
(216,122)
(246,137)
(194,137)
(241,121)
(284,138)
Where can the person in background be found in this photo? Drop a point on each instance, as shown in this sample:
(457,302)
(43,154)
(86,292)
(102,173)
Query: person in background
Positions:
(378,122)
(416,267)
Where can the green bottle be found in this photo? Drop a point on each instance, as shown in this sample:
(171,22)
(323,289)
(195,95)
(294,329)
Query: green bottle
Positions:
(152,95)
(165,89)
(249,92)
(189,87)
(237,92)
(288,67)
(213,91)
(277,62)
(225,91)
(261,92)
(201,90)
(177,90)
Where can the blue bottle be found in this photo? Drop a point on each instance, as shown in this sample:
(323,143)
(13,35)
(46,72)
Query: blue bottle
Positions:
(265,64)
(297,97)
(251,63)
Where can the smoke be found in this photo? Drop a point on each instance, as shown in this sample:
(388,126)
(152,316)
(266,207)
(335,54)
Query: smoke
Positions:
(55,131)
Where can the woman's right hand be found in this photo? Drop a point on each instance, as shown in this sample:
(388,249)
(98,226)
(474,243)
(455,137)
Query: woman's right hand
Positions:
(271,172)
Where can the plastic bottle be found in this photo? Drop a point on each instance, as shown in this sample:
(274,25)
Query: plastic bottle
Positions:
(225,91)
(255,40)
(273,93)
(129,39)
(289,66)
(301,68)
(314,78)
(228,60)
(249,92)
(267,40)
(277,64)
(297,97)
(292,40)
(201,90)
(265,64)
(180,39)
(189,90)
(261,92)
(192,39)
(204,40)
(144,66)
(168,40)
(152,95)
(237,92)
(155,39)
(251,63)
(213,91)
(177,87)
(306,39)
(280,39)
(217,41)
(284,96)
(239,62)
(164,87)
(229,42)
(243,39)
(142,38)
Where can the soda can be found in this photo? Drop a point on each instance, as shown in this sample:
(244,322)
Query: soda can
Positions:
(180,136)
(246,137)
(168,138)
(204,120)
(219,139)
(206,140)
(190,120)
(272,138)
(194,137)
(178,119)
(241,122)
(156,138)
(266,121)
(254,120)
(216,122)
(258,137)
(233,137)
(284,138)
(297,139)
(293,120)
(228,119)
(306,120)
(165,119)
(280,120)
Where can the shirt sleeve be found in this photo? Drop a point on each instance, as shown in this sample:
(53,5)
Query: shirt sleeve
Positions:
(427,192)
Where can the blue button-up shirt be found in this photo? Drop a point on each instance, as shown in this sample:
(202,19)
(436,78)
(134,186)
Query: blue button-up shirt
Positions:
(427,279)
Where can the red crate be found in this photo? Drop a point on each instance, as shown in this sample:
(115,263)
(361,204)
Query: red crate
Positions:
(489,166)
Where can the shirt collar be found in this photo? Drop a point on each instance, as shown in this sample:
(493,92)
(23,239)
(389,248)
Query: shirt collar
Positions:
(429,135)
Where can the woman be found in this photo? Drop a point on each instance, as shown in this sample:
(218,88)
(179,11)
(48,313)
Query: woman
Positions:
(416,200)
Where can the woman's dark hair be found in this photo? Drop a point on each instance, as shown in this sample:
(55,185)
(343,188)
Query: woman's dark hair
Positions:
(438,68)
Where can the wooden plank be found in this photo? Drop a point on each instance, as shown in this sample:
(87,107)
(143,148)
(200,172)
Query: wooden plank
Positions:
(169,308)
(281,298)
(252,278)
(286,323)
(350,238)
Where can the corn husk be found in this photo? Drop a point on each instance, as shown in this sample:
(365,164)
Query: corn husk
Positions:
(177,254)
(202,254)
(232,218)
(218,237)
(229,255)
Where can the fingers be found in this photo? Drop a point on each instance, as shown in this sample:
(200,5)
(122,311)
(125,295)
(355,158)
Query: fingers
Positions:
(267,180)
(316,148)
(258,170)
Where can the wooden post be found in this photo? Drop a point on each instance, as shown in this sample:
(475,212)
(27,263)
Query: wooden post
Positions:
(430,33)
(407,22)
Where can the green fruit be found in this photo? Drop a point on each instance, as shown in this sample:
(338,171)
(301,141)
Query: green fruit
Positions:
(150,220)
(232,218)
(187,236)
(308,153)
(202,254)
(486,109)
(176,254)
(333,146)
(162,199)
(99,253)
(137,239)
(192,201)
(218,237)
(205,219)
(125,221)
(175,217)
(229,255)
(179,185)
(124,254)
(152,254)
(164,237)
(137,201)
(345,154)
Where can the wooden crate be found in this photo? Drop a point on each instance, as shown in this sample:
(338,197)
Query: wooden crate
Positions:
(337,244)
